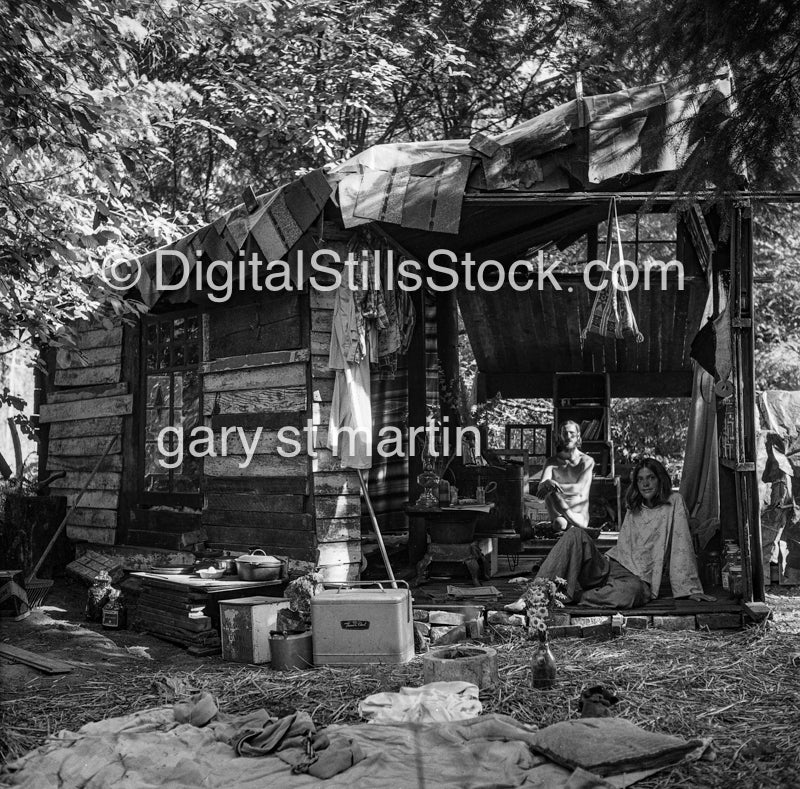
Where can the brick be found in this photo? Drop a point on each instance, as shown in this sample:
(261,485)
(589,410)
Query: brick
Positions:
(423,628)
(720,621)
(594,626)
(420,615)
(586,621)
(758,611)
(674,622)
(446,618)
(517,620)
(564,631)
(559,620)
(438,633)
(637,622)
(596,631)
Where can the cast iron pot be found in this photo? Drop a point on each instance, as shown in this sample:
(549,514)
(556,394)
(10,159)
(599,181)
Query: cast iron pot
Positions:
(257,566)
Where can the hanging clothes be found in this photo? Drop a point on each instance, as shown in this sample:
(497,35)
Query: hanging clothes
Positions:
(348,334)
(350,424)
(700,477)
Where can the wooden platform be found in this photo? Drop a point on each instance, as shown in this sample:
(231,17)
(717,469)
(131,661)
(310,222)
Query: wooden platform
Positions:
(664,613)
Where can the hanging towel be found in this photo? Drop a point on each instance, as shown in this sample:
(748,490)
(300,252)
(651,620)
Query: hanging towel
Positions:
(612,313)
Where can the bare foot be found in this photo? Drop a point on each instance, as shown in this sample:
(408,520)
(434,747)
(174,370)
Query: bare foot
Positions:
(517,607)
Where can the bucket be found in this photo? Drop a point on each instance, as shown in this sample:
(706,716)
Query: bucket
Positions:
(291,650)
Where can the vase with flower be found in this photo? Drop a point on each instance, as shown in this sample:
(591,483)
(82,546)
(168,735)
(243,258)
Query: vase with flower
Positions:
(541,596)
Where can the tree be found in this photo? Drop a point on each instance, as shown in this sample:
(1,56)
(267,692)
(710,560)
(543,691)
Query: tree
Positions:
(129,125)
(692,39)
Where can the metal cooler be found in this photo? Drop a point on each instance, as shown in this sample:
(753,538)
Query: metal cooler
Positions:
(358,625)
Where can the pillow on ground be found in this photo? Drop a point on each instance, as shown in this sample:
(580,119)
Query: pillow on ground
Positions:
(608,746)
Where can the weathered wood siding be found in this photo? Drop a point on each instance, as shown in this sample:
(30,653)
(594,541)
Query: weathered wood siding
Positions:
(264,367)
(336,491)
(255,377)
(84,409)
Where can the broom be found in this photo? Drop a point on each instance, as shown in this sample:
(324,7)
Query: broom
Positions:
(37,588)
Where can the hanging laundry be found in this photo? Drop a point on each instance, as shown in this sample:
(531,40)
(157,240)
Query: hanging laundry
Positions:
(350,425)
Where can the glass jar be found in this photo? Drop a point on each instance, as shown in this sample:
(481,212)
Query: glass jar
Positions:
(444,493)
(712,570)
(736,580)
(733,558)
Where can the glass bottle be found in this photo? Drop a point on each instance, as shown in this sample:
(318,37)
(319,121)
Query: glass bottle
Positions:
(444,493)
(543,665)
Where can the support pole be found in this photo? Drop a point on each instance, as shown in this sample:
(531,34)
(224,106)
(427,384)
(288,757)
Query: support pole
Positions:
(377,528)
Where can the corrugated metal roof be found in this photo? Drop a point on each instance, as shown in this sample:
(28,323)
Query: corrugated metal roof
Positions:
(417,191)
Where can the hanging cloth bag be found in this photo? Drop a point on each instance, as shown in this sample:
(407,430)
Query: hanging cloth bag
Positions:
(612,314)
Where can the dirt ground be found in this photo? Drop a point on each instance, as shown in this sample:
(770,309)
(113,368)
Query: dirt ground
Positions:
(117,672)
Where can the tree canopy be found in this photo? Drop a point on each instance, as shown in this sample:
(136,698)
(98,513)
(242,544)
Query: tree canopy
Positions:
(124,125)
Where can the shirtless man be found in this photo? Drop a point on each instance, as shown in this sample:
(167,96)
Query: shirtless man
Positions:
(566,480)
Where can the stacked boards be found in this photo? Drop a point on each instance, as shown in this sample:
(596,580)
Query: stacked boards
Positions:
(177,614)
(85,409)
(185,609)
(255,371)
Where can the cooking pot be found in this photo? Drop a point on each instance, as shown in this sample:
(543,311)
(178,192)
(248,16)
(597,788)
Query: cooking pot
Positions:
(257,566)
(226,563)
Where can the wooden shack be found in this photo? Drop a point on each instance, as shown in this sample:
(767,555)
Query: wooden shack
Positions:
(258,360)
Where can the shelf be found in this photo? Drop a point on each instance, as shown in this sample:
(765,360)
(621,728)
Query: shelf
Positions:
(583,398)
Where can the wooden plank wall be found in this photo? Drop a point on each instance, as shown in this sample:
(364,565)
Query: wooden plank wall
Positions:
(85,408)
(255,372)
(336,499)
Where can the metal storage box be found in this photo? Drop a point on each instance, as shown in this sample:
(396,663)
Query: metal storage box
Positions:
(362,626)
(245,625)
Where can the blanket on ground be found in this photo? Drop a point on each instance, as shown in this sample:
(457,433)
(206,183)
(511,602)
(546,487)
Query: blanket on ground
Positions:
(150,749)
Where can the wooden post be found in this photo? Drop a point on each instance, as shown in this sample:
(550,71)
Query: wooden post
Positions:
(416,389)
(447,347)
(130,373)
(742,332)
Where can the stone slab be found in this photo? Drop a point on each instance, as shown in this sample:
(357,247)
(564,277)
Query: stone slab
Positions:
(675,622)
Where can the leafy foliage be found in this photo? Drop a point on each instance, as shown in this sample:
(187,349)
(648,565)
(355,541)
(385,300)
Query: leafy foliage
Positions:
(777,296)
(124,125)
(756,42)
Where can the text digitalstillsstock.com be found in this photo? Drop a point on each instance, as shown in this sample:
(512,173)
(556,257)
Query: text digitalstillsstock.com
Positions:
(325,271)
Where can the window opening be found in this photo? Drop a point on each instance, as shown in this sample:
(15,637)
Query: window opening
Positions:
(172,399)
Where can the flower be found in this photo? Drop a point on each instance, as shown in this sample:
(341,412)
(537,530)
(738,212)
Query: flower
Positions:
(540,596)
